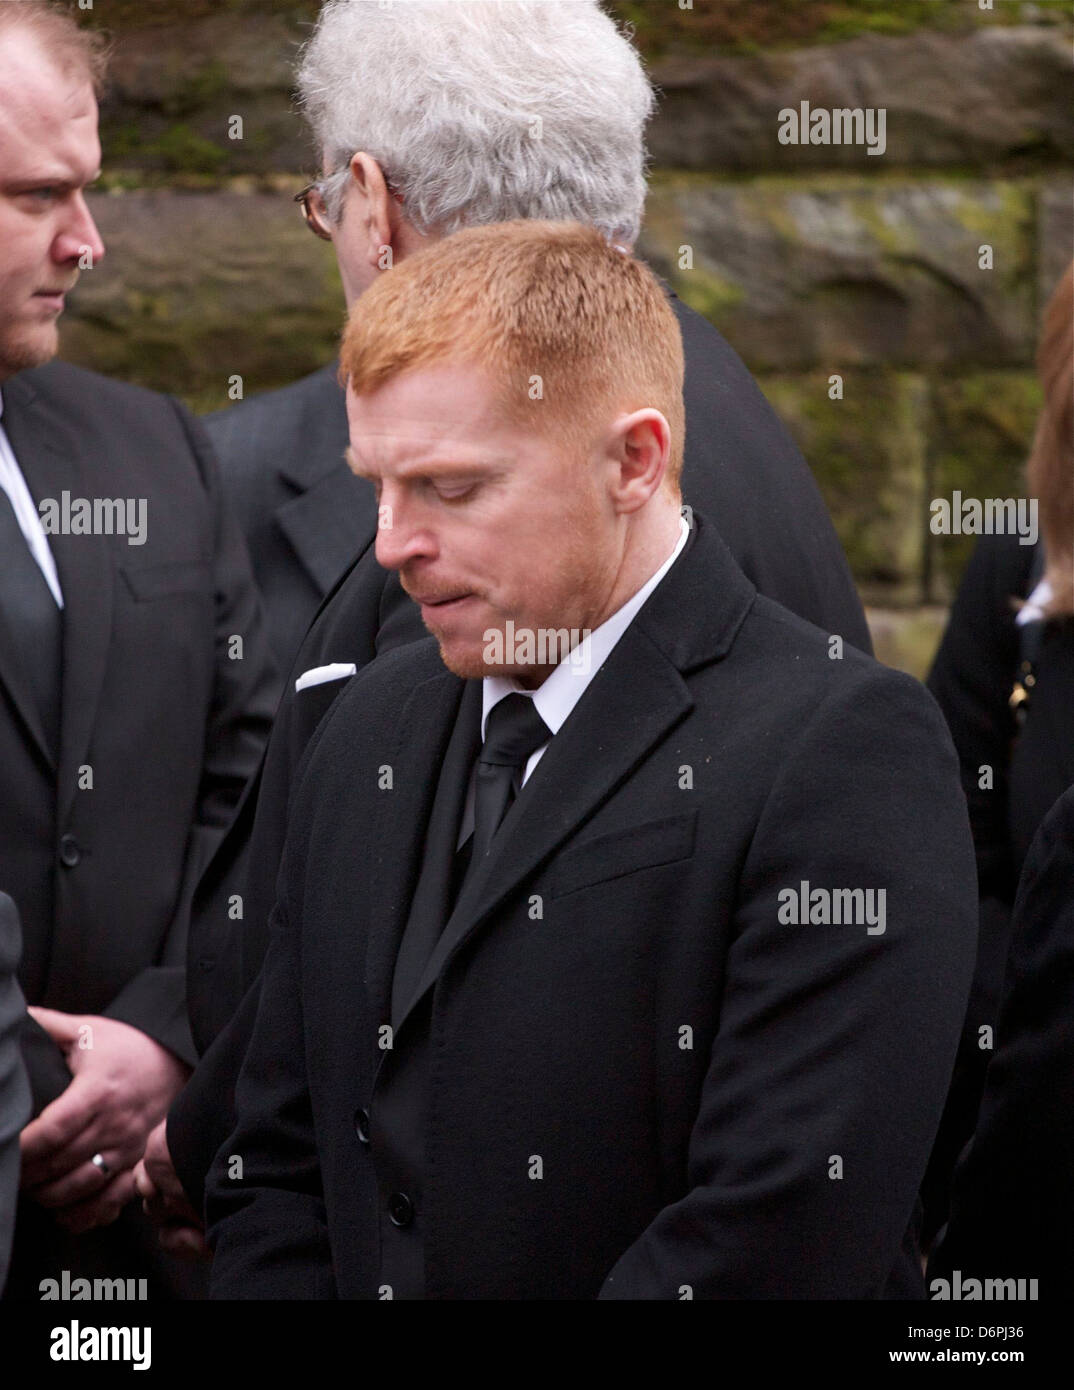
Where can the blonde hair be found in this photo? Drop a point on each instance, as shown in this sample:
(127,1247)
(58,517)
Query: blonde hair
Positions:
(572,328)
(1050,468)
(71,48)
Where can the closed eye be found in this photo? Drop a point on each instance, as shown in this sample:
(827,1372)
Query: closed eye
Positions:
(456,493)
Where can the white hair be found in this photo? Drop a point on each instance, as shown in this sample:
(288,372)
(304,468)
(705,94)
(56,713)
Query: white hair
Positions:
(483,111)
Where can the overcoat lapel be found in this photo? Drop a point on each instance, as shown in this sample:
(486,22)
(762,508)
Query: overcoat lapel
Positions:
(431,903)
(50,462)
(423,733)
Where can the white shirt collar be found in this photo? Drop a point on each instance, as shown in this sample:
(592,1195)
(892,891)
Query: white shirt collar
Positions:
(26,514)
(1033,608)
(565,686)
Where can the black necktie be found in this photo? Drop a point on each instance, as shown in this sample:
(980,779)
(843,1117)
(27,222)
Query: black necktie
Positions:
(33,619)
(513,731)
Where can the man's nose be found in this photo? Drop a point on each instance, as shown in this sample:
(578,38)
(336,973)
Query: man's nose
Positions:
(78,236)
(400,537)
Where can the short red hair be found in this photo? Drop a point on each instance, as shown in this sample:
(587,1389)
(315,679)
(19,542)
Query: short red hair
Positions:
(529,302)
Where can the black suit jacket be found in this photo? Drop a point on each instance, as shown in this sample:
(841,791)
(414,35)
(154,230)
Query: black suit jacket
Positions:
(1012,1205)
(14,1086)
(304,514)
(712,1098)
(972,678)
(741,468)
(159,704)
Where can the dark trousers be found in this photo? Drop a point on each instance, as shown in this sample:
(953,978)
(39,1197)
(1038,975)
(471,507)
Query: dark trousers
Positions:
(128,1249)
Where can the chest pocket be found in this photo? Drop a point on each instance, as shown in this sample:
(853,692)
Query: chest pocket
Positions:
(148,582)
(622,852)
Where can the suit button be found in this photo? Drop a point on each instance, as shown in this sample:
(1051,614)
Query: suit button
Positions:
(361,1125)
(70,853)
(400,1209)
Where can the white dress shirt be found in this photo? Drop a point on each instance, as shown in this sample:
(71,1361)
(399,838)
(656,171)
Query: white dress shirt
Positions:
(26,514)
(565,686)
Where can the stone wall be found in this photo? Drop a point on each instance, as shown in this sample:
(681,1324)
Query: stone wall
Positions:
(816,261)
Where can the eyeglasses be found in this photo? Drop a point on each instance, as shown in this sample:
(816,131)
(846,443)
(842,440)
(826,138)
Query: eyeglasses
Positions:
(315,207)
(314,211)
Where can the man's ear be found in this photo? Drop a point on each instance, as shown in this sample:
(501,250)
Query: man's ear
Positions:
(374,206)
(642,446)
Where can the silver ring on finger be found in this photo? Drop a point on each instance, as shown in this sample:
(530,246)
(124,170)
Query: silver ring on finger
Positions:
(98,1162)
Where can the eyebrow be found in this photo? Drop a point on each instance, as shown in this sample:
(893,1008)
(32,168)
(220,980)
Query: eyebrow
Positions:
(45,179)
(430,468)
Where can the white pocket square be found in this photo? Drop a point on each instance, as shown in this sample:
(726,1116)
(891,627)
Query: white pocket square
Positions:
(318,675)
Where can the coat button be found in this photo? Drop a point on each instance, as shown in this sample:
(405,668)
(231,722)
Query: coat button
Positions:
(70,853)
(400,1209)
(361,1125)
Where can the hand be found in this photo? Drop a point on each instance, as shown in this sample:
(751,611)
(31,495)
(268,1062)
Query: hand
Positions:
(180,1229)
(99,1210)
(122,1084)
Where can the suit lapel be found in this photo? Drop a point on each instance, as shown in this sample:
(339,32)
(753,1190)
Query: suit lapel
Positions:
(334,514)
(50,462)
(329,524)
(424,730)
(11,676)
(25,705)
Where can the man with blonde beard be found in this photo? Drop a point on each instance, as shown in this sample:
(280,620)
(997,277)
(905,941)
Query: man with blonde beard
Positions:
(134,688)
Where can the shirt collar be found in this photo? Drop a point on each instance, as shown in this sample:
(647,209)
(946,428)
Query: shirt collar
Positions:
(1033,609)
(557,696)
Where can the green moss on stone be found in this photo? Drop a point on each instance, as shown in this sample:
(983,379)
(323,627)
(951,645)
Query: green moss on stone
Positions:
(981,432)
(850,18)
(117,15)
(709,293)
(867,452)
(197,90)
(176,149)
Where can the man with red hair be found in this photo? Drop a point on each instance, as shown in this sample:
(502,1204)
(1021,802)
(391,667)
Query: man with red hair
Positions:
(630,971)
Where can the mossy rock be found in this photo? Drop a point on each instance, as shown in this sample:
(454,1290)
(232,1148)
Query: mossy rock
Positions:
(196,288)
(661,26)
(867,452)
(980,434)
(752,26)
(835,272)
(937,92)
